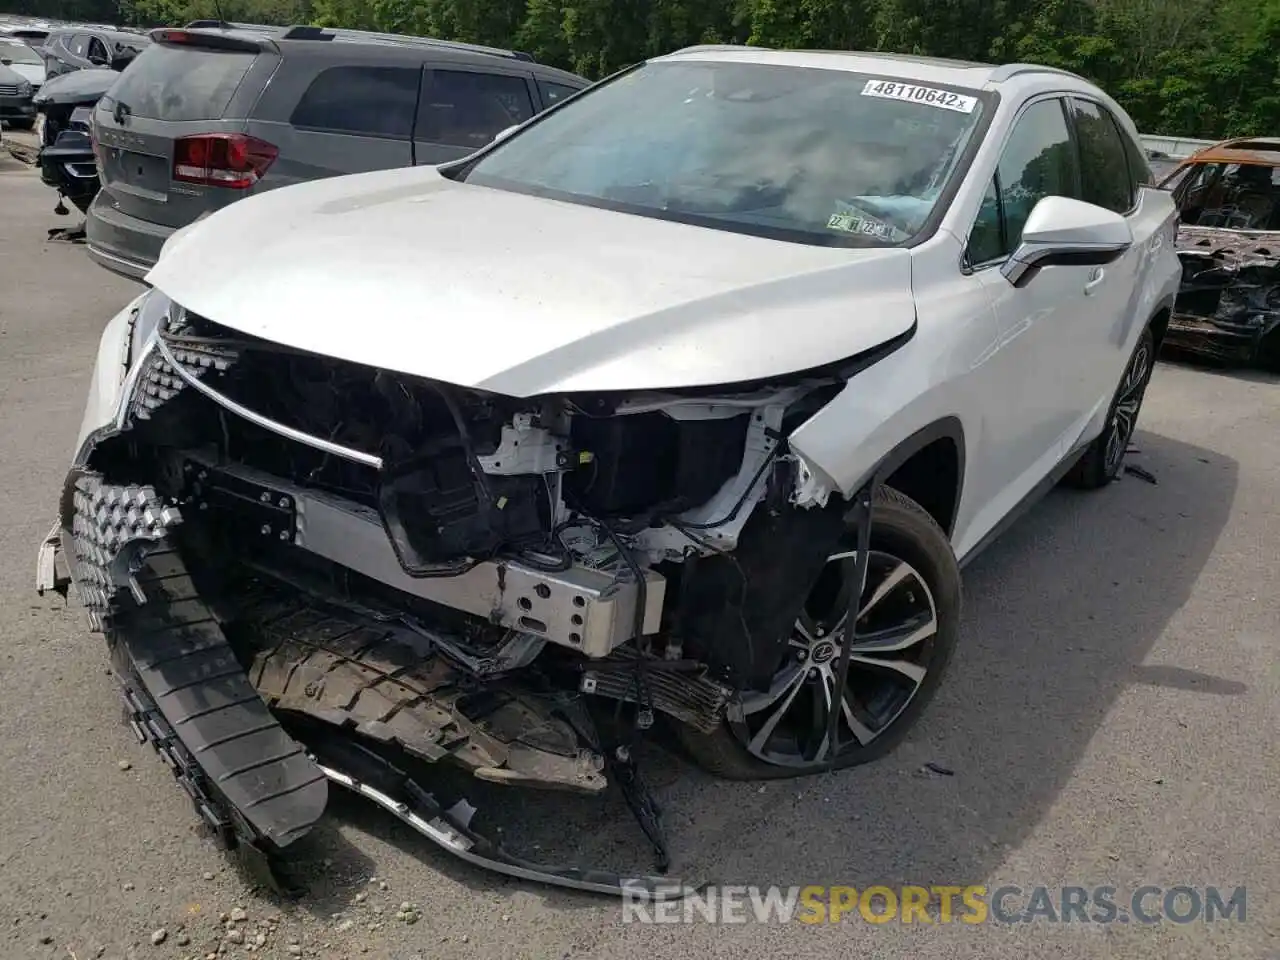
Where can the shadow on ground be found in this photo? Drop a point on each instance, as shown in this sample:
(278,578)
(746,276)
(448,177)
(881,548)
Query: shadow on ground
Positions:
(1213,366)
(1060,616)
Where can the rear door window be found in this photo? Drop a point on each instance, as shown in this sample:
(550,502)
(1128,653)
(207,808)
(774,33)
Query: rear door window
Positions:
(553,93)
(1139,166)
(367,101)
(1104,166)
(181,83)
(468,109)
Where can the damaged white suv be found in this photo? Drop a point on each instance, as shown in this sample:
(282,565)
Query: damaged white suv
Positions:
(691,394)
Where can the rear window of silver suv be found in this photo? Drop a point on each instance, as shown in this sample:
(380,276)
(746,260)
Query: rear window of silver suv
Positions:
(182,83)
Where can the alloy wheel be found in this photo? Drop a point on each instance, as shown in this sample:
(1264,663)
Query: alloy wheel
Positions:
(897,622)
(1124,413)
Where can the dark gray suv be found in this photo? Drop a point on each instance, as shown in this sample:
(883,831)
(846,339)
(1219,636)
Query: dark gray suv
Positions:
(211,113)
(85,48)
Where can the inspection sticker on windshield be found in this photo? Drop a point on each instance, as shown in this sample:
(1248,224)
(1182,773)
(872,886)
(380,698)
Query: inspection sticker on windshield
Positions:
(893,90)
(852,223)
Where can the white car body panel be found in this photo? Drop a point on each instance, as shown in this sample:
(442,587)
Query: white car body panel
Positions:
(409,271)
(522,295)
(979,353)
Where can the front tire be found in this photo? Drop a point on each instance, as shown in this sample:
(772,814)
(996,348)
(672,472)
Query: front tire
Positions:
(908,625)
(1103,459)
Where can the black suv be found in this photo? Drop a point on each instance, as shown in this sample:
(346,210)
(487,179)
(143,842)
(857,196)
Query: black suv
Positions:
(213,112)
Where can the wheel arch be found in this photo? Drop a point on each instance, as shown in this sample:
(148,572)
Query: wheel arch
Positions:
(928,466)
(1159,321)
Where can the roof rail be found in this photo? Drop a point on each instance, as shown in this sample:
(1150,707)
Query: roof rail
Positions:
(308,32)
(713,47)
(230,25)
(1009,70)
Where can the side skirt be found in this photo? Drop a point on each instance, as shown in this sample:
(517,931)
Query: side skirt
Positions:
(1037,493)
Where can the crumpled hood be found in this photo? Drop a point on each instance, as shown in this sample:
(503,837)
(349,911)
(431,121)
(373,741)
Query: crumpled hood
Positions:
(409,271)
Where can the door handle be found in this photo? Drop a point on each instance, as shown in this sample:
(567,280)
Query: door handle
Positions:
(1095,280)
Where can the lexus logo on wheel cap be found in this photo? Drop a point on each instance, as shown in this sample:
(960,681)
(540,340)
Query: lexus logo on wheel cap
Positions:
(823,652)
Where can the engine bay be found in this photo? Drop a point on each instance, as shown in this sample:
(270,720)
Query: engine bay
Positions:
(574,519)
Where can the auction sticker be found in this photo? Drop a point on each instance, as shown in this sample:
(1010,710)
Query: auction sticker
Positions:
(893,90)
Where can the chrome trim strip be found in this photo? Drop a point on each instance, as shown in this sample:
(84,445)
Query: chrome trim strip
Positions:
(138,268)
(327,446)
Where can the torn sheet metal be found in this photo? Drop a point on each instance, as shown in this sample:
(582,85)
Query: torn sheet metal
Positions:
(1229,303)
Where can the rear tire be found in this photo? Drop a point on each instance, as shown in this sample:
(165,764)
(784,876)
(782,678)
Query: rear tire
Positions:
(915,620)
(1103,459)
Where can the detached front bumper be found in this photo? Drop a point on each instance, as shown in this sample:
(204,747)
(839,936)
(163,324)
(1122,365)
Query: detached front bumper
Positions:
(184,689)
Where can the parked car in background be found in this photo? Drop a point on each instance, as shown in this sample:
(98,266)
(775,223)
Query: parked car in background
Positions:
(31,33)
(83,48)
(692,393)
(22,60)
(1228,198)
(211,114)
(65,112)
(16,90)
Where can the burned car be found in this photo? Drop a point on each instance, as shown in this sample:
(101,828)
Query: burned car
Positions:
(677,409)
(1228,198)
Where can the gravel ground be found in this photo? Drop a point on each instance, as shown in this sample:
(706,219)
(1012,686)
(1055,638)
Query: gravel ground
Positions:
(1110,719)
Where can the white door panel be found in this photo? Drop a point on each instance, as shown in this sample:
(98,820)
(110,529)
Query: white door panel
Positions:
(1040,366)
(1041,326)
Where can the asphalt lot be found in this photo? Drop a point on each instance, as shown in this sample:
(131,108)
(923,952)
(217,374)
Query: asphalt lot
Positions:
(1110,718)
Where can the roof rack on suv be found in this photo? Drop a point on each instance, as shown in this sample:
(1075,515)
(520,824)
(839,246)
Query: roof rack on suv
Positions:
(368,36)
(308,32)
(1009,70)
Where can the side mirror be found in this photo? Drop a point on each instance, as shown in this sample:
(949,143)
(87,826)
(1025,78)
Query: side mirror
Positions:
(97,60)
(1066,232)
(503,134)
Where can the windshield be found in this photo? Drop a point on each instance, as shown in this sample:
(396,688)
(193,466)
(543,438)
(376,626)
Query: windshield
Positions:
(18,52)
(797,153)
(1235,196)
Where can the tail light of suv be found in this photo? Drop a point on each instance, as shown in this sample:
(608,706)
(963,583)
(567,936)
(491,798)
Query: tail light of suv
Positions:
(222,159)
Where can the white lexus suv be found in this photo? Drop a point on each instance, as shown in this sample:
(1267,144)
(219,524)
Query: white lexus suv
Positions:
(683,403)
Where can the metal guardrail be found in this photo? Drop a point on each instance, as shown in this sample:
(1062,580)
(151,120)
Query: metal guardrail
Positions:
(1176,148)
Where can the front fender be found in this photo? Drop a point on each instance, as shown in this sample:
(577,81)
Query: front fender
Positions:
(858,434)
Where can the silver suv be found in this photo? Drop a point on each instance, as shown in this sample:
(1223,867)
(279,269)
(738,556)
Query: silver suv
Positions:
(212,113)
(693,395)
